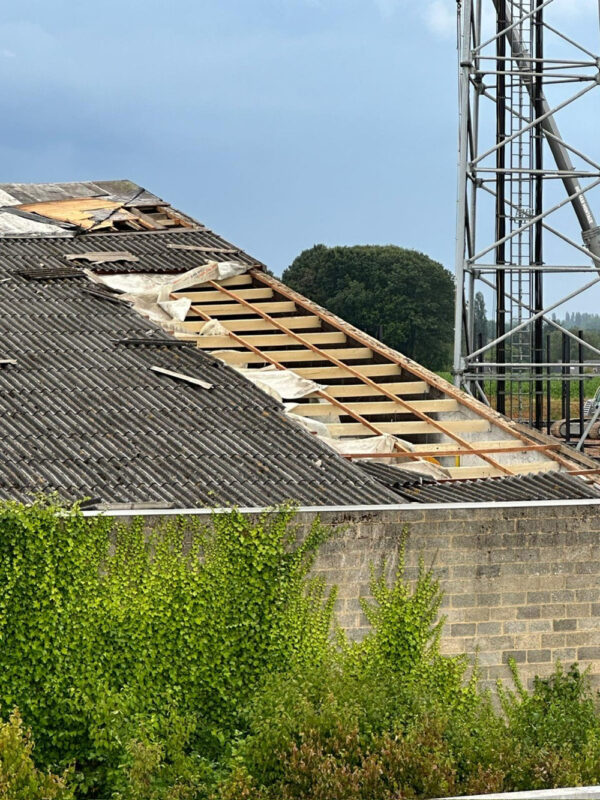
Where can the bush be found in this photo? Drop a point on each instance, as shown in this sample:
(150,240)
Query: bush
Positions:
(19,777)
(554,731)
(392,717)
(355,726)
(115,632)
(199,665)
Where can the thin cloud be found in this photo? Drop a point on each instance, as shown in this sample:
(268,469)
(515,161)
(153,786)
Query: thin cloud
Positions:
(5,53)
(440,17)
(387,8)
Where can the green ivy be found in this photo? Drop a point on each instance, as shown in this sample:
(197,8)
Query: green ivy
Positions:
(109,632)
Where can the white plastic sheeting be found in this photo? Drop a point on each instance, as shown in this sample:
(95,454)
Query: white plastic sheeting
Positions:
(385,443)
(423,467)
(213,328)
(283,384)
(150,293)
(15,225)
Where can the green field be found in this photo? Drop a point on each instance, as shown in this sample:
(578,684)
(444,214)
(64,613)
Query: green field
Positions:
(590,386)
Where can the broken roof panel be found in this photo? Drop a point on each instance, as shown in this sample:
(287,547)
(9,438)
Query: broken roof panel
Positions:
(84,206)
(82,412)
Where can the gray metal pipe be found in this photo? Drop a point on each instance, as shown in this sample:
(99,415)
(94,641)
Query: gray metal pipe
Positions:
(589,227)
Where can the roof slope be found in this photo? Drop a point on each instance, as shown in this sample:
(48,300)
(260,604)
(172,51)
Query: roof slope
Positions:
(415,488)
(81,412)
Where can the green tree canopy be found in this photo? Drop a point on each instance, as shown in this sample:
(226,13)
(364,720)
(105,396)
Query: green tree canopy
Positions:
(401,296)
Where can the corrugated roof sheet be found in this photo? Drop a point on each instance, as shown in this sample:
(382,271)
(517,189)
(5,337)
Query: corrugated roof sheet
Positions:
(417,488)
(84,415)
(164,252)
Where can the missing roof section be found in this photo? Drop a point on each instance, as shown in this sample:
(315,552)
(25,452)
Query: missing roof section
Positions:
(107,206)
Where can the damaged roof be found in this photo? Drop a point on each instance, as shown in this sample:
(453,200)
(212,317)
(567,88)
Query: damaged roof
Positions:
(96,401)
(68,209)
(83,413)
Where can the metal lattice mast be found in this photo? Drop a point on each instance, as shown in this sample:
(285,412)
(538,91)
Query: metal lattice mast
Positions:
(511,158)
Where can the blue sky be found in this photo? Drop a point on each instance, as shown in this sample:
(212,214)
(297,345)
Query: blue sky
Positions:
(279,123)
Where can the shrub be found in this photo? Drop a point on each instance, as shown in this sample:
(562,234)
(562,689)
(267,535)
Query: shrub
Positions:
(354,726)
(19,777)
(554,731)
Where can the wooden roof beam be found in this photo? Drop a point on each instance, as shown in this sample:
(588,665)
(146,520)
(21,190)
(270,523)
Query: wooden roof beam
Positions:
(403,403)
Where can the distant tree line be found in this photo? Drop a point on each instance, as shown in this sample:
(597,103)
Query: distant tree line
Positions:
(574,322)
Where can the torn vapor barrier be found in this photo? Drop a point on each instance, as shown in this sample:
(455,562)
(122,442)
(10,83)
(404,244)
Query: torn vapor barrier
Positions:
(283,384)
(150,294)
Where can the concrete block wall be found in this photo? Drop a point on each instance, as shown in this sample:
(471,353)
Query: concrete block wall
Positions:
(520,582)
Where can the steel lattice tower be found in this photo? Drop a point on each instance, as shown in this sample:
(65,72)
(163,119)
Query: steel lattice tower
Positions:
(517,177)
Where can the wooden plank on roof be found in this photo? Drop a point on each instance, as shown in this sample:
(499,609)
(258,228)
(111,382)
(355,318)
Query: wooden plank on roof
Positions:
(400,388)
(441,447)
(256,324)
(275,340)
(410,427)
(291,356)
(210,296)
(236,310)
(410,366)
(516,469)
(332,373)
(237,280)
(373,409)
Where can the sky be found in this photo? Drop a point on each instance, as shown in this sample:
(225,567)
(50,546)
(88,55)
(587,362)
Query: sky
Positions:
(277,123)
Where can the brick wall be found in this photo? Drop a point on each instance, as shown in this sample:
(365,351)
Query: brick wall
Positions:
(518,582)
(521,582)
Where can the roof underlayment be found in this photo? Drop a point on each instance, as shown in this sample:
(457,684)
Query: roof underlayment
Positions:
(83,412)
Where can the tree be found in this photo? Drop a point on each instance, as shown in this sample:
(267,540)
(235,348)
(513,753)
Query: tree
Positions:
(480,319)
(401,296)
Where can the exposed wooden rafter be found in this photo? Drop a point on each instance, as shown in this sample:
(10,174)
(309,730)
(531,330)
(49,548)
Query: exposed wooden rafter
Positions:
(265,322)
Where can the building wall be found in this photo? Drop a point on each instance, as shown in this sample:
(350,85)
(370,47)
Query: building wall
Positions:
(520,581)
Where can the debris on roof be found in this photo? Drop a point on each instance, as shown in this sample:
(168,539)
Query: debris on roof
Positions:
(57,209)
(102,257)
(180,377)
